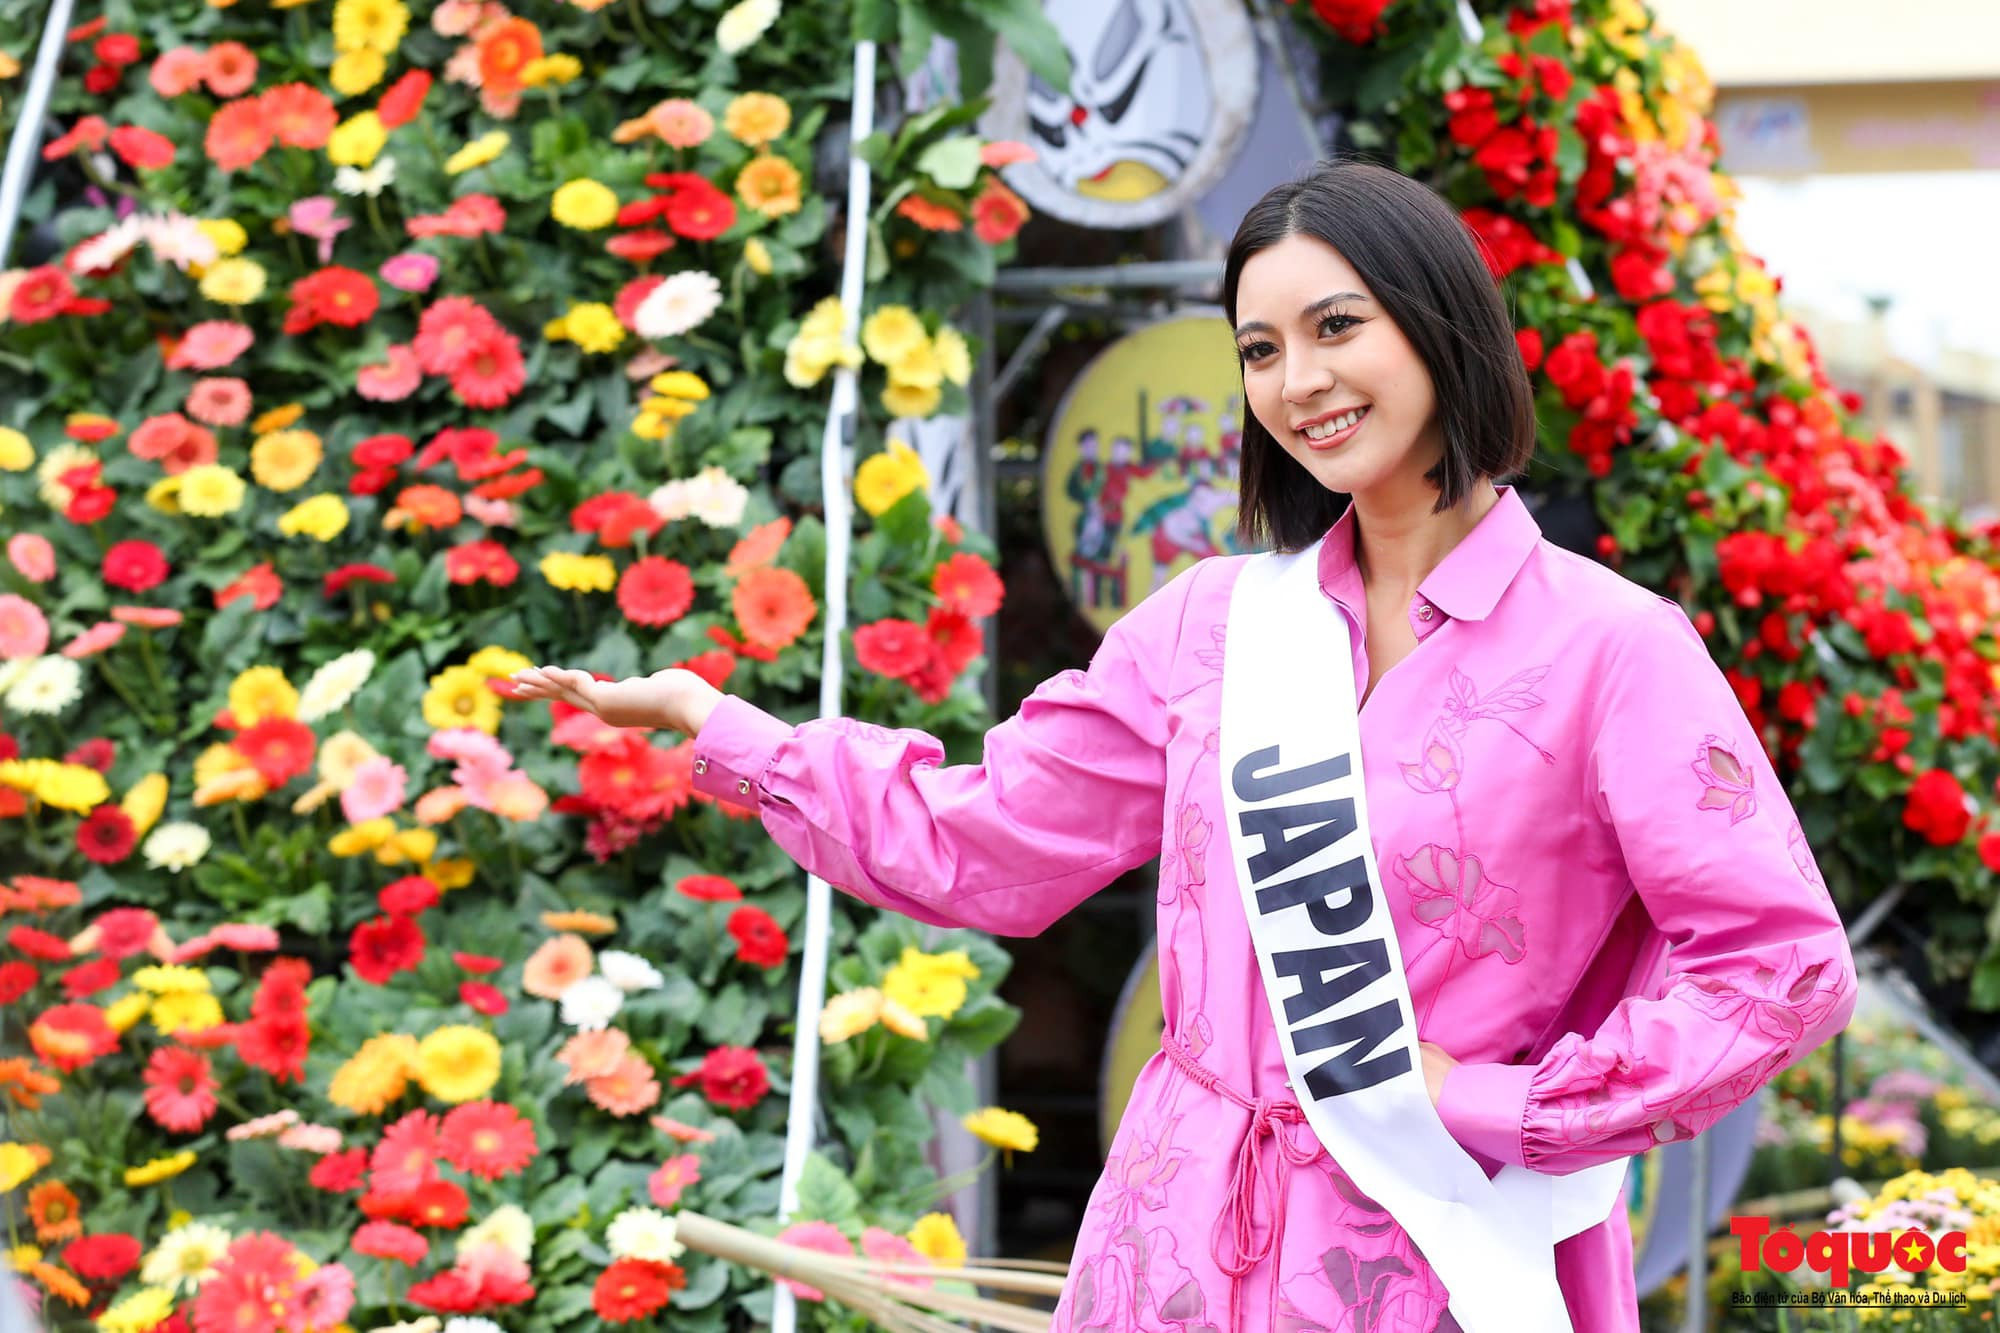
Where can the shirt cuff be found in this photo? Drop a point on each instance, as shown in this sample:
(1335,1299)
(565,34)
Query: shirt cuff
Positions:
(1485,1107)
(734,750)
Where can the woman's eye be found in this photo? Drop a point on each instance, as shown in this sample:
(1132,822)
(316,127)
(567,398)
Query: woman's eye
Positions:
(1254,351)
(1333,324)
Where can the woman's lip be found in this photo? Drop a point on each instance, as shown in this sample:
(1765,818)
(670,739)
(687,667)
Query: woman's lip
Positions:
(1335,441)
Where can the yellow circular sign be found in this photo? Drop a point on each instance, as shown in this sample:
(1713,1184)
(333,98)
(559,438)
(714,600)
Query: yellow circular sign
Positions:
(1139,470)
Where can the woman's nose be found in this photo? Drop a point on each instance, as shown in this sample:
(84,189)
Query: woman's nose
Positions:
(1306,379)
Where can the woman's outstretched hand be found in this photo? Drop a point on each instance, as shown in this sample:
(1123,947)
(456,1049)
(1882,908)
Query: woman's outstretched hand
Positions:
(673,698)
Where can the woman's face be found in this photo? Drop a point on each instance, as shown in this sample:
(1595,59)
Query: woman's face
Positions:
(1329,375)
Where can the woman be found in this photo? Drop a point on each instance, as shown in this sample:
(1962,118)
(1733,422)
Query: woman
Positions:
(1605,920)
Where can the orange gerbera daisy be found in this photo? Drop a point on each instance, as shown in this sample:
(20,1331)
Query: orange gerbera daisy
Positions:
(60,1284)
(54,1210)
(773,606)
(582,922)
(504,51)
(238,134)
(928,215)
(26,1084)
(758,547)
(427,506)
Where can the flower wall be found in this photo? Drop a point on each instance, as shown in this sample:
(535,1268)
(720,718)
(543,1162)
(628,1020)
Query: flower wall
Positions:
(374,352)
(1856,624)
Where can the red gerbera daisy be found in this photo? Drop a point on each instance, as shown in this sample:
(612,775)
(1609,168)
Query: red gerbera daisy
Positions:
(491,373)
(438,1203)
(86,979)
(700,212)
(124,931)
(710,889)
(637,247)
(338,579)
(730,1076)
(759,939)
(488,1139)
(106,835)
(411,895)
(634,1288)
(37,943)
(381,948)
(892,648)
(390,1240)
(655,591)
(260,583)
(180,1089)
(278,1046)
(102,1259)
(238,1297)
(43,294)
(280,747)
(481,561)
(17,979)
(448,331)
(404,99)
(406,1158)
(70,1036)
(955,638)
(339,1172)
(142,149)
(478,964)
(482,998)
(300,115)
(968,585)
(334,295)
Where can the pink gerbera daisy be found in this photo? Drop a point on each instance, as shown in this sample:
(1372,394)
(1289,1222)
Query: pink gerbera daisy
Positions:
(491,373)
(488,1139)
(210,345)
(377,789)
(219,401)
(393,380)
(180,1089)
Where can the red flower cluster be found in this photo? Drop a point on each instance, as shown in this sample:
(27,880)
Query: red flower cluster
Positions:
(334,295)
(634,1288)
(277,1037)
(459,338)
(1357,21)
(929,657)
(1601,395)
(733,1077)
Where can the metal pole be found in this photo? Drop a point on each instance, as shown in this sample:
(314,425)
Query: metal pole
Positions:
(26,145)
(1697,1271)
(836,452)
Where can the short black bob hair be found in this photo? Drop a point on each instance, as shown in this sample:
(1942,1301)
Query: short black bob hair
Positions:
(1424,268)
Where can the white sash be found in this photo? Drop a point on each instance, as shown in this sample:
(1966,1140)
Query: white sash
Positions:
(1333,971)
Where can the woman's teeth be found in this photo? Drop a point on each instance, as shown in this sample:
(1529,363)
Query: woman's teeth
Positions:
(1328,429)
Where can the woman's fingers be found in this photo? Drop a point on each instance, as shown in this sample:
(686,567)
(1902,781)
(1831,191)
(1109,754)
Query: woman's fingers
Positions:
(562,683)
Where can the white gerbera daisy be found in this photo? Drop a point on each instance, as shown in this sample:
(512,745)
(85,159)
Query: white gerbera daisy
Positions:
(745,24)
(677,305)
(643,1233)
(354,181)
(470,1324)
(334,684)
(507,1226)
(186,1256)
(591,1003)
(628,971)
(101,253)
(178,239)
(49,685)
(714,497)
(176,846)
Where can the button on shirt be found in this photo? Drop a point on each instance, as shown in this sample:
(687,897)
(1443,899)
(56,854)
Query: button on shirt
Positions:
(1606,907)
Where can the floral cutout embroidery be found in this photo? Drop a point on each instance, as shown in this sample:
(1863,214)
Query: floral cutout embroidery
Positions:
(1451,893)
(1802,856)
(1727,782)
(1439,768)
(1377,1285)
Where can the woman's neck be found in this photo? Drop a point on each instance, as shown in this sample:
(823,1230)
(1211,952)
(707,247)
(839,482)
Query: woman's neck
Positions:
(1399,540)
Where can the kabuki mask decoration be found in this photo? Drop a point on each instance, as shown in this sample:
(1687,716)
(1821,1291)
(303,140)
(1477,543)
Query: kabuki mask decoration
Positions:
(1161,96)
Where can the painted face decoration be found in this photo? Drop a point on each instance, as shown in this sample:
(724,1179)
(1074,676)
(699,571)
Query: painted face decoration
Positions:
(1161,98)
(1141,102)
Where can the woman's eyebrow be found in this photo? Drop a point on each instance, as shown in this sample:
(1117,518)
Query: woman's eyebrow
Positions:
(1259,326)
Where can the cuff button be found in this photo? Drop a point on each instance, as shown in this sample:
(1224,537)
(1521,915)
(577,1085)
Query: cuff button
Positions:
(701,765)
(743,786)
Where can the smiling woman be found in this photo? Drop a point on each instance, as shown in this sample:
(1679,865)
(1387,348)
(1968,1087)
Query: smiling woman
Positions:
(1375,348)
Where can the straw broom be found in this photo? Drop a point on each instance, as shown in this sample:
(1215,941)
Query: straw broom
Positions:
(868,1286)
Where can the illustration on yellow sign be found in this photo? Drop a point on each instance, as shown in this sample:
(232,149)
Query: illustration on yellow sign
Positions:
(1139,471)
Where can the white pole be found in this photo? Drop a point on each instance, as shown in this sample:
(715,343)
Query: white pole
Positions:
(27,141)
(836,470)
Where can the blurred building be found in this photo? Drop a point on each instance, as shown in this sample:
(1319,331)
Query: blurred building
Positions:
(1832,90)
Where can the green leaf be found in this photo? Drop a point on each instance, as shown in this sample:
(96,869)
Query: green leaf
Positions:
(952,163)
(1986,980)
(1027,30)
(874,20)
(974,41)
(826,1195)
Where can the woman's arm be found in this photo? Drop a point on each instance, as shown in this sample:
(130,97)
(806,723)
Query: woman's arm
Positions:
(1067,796)
(1760,973)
